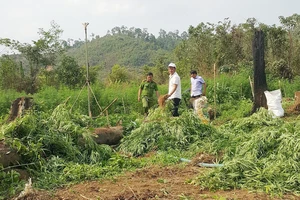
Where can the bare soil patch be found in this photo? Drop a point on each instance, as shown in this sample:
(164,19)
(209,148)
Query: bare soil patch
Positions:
(155,182)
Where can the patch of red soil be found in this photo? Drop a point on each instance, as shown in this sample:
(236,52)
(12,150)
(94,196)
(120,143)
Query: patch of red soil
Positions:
(155,182)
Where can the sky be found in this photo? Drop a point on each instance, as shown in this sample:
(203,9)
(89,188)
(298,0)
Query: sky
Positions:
(21,19)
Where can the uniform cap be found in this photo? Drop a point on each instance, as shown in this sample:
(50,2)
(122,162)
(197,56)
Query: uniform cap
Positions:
(172,65)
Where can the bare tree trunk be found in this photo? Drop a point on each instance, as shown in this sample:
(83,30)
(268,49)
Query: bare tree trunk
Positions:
(260,83)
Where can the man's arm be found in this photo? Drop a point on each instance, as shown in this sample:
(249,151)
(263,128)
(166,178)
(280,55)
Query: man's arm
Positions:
(174,89)
(139,94)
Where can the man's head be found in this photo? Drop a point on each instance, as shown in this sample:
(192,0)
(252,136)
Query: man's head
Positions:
(171,68)
(193,73)
(149,77)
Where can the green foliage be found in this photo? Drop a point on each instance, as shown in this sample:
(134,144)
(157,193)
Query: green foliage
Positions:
(169,157)
(229,88)
(234,109)
(259,152)
(69,73)
(49,98)
(262,155)
(288,88)
(118,74)
(37,136)
(228,46)
(10,78)
(57,171)
(43,52)
(292,28)
(10,183)
(125,48)
(201,43)
(6,98)
(276,43)
(48,78)
(163,133)
(57,142)
(281,70)
(124,94)
(223,44)
(49,45)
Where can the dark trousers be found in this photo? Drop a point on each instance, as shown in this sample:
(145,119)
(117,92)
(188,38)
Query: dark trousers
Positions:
(175,107)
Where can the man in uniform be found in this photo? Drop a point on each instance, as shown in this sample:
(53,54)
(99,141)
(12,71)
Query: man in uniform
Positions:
(146,92)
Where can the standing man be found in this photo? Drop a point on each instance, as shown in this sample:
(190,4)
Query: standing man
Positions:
(174,92)
(198,87)
(146,92)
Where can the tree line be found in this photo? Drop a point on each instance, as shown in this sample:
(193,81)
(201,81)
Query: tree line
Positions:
(125,53)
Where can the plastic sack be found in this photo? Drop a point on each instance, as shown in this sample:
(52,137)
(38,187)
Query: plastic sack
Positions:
(201,109)
(274,99)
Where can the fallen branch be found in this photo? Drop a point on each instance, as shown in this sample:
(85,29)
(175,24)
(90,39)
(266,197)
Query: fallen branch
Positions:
(133,193)
(85,197)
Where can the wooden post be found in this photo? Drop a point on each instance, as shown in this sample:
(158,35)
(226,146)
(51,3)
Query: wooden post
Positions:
(215,98)
(251,85)
(87,70)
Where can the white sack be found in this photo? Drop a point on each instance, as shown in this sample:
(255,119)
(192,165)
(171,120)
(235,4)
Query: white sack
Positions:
(274,102)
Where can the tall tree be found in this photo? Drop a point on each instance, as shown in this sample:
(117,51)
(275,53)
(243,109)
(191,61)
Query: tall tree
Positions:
(41,53)
(201,47)
(69,72)
(9,74)
(292,25)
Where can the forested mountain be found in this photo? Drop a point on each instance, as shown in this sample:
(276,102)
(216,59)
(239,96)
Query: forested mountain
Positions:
(127,47)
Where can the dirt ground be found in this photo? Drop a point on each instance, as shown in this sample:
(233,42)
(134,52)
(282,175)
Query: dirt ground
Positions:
(155,182)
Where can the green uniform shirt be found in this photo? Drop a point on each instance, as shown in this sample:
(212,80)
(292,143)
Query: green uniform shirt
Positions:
(148,88)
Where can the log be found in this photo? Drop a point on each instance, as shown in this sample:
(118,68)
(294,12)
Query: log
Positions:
(108,135)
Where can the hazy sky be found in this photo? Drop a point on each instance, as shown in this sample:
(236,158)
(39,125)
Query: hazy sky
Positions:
(21,19)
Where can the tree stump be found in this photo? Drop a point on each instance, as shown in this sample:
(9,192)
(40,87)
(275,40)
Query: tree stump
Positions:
(296,107)
(297,97)
(8,156)
(260,83)
(19,106)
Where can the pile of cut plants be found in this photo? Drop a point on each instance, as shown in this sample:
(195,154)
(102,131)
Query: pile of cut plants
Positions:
(259,152)
(57,149)
(161,132)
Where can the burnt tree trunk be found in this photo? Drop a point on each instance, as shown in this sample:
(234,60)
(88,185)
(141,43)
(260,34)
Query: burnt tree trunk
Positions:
(260,83)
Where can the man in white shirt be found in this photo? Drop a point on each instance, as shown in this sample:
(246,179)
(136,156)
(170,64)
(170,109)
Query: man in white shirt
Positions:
(198,86)
(174,92)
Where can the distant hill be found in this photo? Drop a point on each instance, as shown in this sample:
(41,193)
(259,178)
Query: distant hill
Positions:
(126,49)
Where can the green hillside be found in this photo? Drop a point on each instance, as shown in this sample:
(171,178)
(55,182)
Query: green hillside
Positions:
(129,48)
